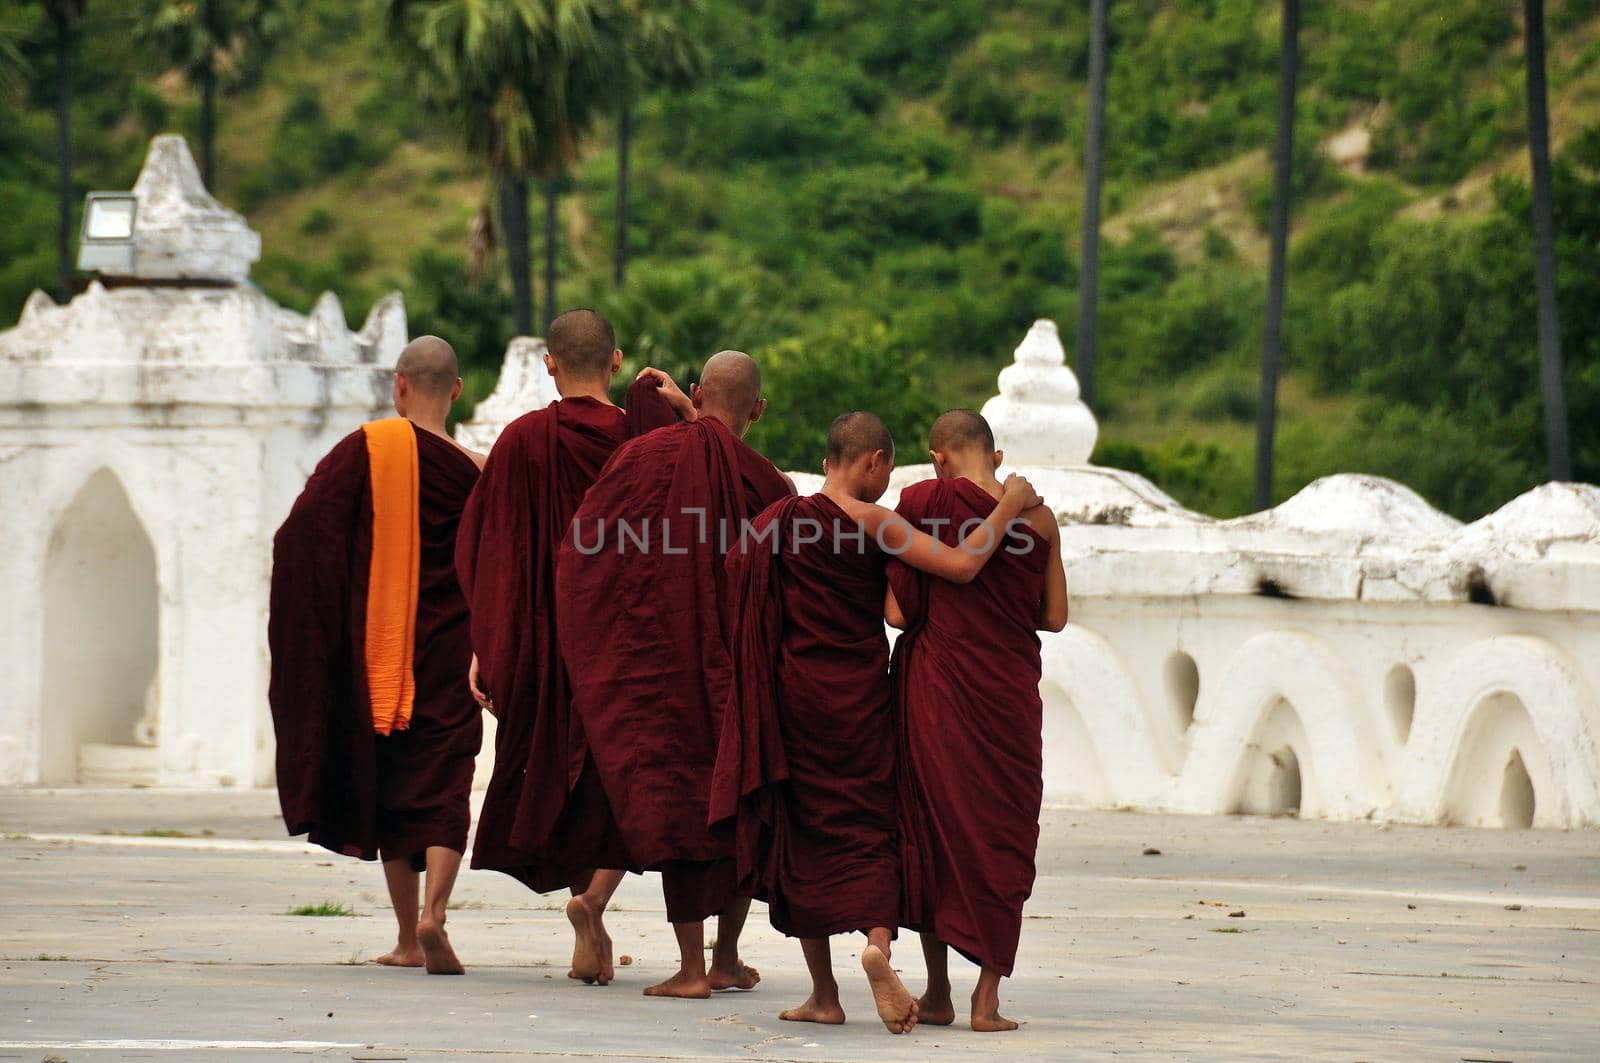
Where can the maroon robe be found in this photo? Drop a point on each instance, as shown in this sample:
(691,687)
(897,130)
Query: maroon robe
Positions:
(354,791)
(806,766)
(966,675)
(545,819)
(640,594)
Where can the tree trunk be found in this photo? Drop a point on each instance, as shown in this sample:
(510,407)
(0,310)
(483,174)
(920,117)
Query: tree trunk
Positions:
(64,153)
(208,126)
(519,253)
(1282,178)
(1557,446)
(552,235)
(624,143)
(1094,158)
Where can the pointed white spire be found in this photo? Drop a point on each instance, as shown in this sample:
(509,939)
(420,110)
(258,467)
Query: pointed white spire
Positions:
(1038,419)
(524,385)
(179,230)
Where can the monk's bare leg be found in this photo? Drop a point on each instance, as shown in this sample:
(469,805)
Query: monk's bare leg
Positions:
(591,955)
(895,1005)
(690,982)
(437,955)
(986,1017)
(823,1004)
(727,970)
(935,1008)
(402,883)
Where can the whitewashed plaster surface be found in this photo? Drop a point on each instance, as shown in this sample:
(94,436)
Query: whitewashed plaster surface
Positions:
(152,439)
(1351,653)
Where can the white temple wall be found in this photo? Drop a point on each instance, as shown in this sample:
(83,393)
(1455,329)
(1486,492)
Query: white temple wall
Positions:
(1326,680)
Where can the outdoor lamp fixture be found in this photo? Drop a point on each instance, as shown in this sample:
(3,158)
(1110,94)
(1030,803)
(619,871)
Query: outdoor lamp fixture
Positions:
(107,240)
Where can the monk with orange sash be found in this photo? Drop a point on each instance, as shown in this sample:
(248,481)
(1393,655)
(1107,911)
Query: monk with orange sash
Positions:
(807,767)
(640,597)
(546,820)
(966,677)
(376,728)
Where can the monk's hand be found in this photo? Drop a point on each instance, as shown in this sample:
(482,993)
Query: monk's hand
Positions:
(681,404)
(1023,490)
(477,691)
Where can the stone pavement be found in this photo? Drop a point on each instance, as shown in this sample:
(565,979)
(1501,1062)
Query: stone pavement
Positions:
(1357,942)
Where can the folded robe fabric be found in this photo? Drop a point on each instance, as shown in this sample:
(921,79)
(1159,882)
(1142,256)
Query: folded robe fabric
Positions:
(966,675)
(395,565)
(545,818)
(640,600)
(806,763)
(354,791)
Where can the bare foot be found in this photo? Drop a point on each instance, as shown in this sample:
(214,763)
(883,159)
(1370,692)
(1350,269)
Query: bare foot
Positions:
(895,1006)
(401,957)
(585,948)
(684,986)
(830,1014)
(936,1010)
(743,976)
(437,955)
(607,970)
(991,1022)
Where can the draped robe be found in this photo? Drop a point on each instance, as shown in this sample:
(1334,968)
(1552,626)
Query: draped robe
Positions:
(641,616)
(351,790)
(806,766)
(966,676)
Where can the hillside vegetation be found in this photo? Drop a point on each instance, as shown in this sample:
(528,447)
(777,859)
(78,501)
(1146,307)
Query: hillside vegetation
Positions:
(877,198)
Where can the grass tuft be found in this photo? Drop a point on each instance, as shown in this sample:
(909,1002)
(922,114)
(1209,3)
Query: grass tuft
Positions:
(323,910)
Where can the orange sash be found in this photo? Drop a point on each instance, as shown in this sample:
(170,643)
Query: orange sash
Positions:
(395,572)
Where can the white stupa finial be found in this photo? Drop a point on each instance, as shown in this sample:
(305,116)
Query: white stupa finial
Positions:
(524,385)
(180,232)
(1038,419)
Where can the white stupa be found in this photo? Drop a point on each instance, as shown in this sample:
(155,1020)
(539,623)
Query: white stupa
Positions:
(1038,418)
(524,385)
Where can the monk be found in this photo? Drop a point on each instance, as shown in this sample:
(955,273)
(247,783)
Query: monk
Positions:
(966,675)
(545,819)
(807,767)
(368,630)
(640,600)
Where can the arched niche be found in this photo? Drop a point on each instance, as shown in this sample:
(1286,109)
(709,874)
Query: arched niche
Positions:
(1073,774)
(100,629)
(1501,775)
(1277,775)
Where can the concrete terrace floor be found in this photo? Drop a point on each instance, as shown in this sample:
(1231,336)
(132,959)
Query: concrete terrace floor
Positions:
(1357,942)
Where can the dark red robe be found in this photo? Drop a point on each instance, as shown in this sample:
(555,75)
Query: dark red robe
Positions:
(545,819)
(966,675)
(351,790)
(806,767)
(640,595)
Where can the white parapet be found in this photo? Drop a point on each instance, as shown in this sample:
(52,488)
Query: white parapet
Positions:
(152,438)
(1352,653)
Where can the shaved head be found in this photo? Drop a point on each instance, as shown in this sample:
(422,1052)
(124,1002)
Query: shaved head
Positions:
(960,430)
(581,342)
(429,365)
(855,435)
(731,381)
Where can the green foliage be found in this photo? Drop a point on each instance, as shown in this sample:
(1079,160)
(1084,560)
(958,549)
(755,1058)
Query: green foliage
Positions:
(855,364)
(876,198)
(326,909)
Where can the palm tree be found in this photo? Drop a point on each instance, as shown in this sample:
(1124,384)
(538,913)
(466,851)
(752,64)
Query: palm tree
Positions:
(1557,447)
(210,41)
(12,64)
(1093,161)
(1282,177)
(656,44)
(522,80)
(63,15)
